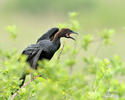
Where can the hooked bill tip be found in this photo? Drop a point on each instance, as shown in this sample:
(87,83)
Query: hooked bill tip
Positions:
(74,32)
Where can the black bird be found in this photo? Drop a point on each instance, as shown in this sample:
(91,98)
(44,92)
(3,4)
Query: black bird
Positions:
(45,47)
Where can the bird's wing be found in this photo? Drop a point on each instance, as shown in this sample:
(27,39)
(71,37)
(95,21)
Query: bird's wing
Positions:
(36,58)
(33,52)
(48,34)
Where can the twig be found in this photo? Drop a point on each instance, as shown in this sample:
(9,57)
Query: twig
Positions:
(98,48)
(99,83)
(61,50)
(31,76)
(15,94)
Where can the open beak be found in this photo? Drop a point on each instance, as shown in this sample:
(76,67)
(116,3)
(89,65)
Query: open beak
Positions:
(68,35)
(74,32)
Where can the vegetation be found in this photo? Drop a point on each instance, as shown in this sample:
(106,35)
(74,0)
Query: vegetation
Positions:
(94,79)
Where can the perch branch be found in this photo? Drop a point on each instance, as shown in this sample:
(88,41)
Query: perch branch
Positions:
(15,94)
(61,50)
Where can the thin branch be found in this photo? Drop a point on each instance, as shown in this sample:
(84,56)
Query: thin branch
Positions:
(99,83)
(61,50)
(15,94)
(98,48)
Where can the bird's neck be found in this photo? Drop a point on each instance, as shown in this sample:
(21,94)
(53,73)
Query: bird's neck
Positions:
(56,38)
(56,41)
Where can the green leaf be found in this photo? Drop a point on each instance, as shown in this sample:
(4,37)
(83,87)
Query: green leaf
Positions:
(87,40)
(12,30)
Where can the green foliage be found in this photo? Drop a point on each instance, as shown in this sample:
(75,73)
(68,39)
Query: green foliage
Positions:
(12,31)
(106,35)
(94,79)
(73,23)
(86,41)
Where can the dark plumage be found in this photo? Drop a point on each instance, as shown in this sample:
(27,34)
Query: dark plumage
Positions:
(45,47)
(48,35)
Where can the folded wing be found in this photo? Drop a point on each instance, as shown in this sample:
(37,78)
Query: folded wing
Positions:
(50,33)
(33,53)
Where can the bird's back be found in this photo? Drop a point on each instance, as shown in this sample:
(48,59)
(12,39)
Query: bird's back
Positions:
(46,47)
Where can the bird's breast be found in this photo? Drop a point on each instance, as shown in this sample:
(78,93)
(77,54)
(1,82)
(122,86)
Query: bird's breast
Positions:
(49,49)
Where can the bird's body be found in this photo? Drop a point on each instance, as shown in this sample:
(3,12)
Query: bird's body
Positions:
(45,47)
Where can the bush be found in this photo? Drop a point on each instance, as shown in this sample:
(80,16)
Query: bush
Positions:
(68,77)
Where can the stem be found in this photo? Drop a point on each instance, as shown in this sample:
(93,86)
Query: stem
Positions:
(98,48)
(61,51)
(15,94)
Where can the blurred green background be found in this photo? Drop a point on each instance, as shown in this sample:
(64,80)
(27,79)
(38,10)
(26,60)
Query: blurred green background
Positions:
(34,17)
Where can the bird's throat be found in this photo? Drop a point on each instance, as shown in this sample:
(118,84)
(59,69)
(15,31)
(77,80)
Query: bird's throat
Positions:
(56,37)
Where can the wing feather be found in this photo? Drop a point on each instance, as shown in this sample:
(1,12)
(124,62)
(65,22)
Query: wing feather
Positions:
(33,52)
(48,34)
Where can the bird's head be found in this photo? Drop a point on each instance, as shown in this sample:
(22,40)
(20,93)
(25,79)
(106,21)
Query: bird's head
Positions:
(65,32)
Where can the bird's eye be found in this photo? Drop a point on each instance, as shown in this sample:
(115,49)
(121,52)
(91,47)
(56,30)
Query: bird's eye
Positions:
(68,35)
